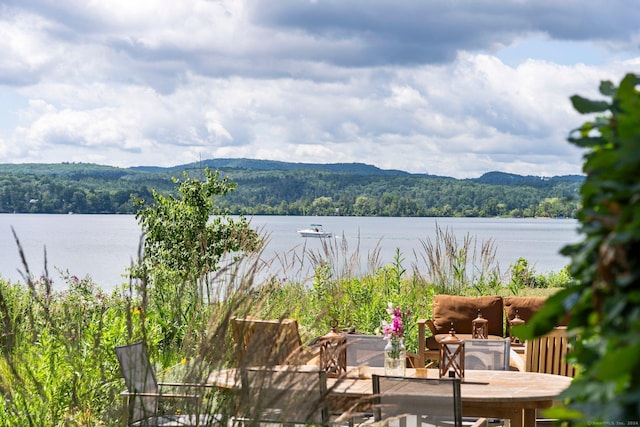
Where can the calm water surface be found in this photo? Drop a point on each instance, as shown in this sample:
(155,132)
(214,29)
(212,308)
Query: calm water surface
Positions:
(103,246)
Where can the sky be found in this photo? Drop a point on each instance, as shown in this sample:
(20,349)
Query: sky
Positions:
(453,88)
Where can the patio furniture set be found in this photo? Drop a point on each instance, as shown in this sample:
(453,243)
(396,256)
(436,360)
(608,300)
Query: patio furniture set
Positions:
(457,312)
(279,381)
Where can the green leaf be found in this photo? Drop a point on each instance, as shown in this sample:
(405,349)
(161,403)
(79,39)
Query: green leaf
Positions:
(555,307)
(560,413)
(587,142)
(607,88)
(586,106)
(618,362)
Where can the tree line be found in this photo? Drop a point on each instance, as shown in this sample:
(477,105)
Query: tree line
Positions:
(92,189)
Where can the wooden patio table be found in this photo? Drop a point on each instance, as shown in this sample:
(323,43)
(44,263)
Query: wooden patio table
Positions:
(512,395)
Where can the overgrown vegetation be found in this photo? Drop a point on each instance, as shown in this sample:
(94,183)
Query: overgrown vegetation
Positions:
(604,300)
(59,368)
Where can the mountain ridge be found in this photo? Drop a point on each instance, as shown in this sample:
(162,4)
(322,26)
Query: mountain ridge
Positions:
(355,168)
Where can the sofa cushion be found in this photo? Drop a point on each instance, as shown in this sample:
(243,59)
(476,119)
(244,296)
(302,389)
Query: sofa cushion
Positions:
(526,307)
(462,310)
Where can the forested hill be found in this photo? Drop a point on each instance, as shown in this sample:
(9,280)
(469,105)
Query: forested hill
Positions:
(273,165)
(279,188)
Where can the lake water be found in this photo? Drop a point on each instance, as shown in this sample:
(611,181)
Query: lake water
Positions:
(103,246)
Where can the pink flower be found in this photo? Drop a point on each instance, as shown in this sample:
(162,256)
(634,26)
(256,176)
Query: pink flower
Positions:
(395,328)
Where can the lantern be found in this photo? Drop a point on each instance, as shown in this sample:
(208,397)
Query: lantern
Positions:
(515,322)
(480,327)
(451,356)
(333,352)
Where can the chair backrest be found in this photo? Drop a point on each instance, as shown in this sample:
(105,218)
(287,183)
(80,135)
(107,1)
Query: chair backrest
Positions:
(461,310)
(548,353)
(265,342)
(139,377)
(367,350)
(432,401)
(274,395)
(491,355)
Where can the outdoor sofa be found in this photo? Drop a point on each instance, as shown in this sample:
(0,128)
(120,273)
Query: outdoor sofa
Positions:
(459,312)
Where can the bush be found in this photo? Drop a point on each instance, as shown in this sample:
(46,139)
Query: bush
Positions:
(604,299)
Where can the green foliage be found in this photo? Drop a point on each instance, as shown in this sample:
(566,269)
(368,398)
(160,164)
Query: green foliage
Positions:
(180,234)
(278,188)
(310,192)
(522,275)
(604,300)
(184,241)
(555,279)
(58,367)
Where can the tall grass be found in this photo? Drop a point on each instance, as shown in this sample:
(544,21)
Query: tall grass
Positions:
(58,366)
(457,268)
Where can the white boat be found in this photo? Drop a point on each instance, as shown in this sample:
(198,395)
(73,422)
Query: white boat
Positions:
(315,230)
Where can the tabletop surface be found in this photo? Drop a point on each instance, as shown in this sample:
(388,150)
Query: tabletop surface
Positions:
(481,386)
(477,385)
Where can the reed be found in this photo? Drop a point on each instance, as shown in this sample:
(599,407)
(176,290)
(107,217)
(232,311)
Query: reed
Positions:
(458,267)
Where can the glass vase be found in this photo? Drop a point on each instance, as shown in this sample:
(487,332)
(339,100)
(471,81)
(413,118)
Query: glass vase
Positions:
(395,358)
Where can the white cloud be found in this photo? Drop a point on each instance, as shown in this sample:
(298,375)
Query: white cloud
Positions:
(423,87)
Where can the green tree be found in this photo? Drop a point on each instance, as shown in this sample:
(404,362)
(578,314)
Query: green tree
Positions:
(604,300)
(184,241)
(364,206)
(322,206)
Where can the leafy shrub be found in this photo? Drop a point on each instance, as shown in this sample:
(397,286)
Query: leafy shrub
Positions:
(185,239)
(604,299)
(555,279)
(59,367)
